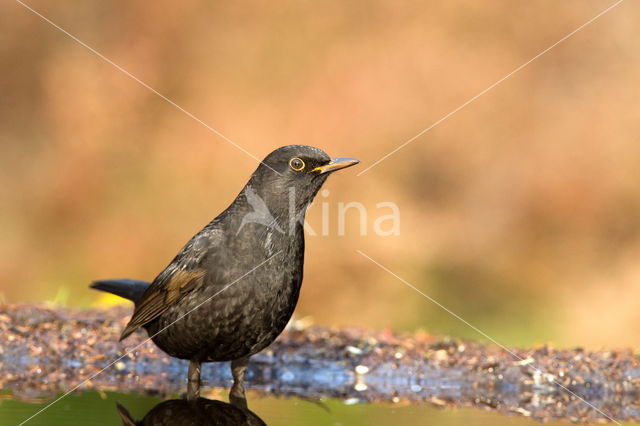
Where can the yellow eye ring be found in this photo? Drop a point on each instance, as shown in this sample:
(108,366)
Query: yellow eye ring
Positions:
(296,164)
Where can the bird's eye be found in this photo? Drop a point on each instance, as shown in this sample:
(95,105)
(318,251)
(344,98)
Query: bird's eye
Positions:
(296,164)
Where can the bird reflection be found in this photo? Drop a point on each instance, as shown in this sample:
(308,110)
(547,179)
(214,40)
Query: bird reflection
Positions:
(202,411)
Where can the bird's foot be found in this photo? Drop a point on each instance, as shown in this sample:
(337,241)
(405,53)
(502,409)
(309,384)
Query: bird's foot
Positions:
(193,383)
(237,396)
(193,390)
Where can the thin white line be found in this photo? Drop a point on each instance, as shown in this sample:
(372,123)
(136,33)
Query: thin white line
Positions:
(518,357)
(145,341)
(133,77)
(407,142)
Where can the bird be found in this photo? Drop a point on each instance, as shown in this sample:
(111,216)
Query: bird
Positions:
(205,412)
(232,289)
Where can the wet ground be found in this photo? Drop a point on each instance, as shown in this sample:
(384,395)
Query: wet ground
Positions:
(45,352)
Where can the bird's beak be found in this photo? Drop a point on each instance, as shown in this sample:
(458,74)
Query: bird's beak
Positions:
(336,164)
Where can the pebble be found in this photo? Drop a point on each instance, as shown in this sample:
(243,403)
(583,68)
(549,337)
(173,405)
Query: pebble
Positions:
(360,387)
(362,369)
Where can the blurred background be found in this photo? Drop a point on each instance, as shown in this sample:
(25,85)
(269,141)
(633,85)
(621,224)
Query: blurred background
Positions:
(521,212)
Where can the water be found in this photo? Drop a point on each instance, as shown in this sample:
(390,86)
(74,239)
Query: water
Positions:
(94,408)
(308,376)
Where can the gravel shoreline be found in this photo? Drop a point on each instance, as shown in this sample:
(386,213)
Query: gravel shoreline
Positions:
(46,351)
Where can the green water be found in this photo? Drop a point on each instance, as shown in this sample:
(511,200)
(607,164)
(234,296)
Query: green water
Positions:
(94,408)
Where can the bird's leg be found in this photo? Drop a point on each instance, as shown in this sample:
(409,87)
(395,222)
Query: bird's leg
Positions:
(238,369)
(193,383)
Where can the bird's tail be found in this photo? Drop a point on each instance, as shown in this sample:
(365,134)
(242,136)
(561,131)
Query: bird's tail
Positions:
(129,289)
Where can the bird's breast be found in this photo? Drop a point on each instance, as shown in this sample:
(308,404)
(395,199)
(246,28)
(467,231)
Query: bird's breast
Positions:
(246,300)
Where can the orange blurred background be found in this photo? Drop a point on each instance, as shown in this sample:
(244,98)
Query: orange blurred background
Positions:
(520,212)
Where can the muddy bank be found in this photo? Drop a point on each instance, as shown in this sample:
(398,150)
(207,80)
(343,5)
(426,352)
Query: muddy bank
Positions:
(46,351)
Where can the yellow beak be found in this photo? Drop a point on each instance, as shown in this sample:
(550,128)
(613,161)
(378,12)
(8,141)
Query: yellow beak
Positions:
(336,164)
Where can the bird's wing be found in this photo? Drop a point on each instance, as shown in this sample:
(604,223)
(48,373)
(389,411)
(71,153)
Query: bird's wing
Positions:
(158,299)
(182,275)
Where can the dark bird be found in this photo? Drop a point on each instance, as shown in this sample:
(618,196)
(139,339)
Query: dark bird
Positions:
(233,287)
(202,412)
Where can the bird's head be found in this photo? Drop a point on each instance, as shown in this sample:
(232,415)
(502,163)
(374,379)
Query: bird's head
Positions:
(294,172)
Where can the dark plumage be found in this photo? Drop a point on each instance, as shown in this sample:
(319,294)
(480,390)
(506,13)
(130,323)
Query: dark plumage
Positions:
(233,287)
(202,412)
